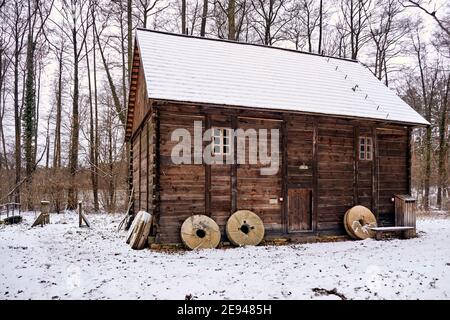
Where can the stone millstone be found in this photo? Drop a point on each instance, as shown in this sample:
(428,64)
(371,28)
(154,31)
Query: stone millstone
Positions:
(359,220)
(349,231)
(245,228)
(141,231)
(200,232)
(133,225)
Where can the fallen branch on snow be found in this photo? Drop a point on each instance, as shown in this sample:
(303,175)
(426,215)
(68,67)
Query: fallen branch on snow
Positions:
(326,292)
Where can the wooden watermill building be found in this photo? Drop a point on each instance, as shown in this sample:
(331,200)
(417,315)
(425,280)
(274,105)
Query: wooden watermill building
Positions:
(344,137)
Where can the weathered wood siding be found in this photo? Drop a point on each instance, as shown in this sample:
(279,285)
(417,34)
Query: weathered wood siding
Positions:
(143,155)
(393,170)
(320,171)
(141,102)
(182,187)
(335,171)
(220,186)
(364,172)
(255,191)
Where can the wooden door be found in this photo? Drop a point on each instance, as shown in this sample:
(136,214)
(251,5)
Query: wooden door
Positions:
(299,209)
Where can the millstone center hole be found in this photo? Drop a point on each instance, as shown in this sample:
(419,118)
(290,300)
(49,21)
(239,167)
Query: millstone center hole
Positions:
(361,222)
(245,228)
(200,233)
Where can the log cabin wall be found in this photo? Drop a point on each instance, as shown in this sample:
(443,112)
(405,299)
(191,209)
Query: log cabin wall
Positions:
(182,186)
(143,165)
(320,166)
(393,170)
(335,171)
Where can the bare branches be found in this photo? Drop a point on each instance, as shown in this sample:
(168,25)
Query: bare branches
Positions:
(443,24)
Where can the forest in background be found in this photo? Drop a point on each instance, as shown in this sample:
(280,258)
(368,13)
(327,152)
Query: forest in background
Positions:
(64,70)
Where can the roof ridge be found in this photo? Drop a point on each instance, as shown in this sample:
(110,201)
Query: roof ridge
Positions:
(247,43)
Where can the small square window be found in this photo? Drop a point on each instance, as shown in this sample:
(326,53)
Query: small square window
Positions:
(365,148)
(221,141)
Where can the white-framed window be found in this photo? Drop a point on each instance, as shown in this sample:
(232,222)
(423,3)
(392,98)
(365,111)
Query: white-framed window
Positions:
(365,148)
(221,141)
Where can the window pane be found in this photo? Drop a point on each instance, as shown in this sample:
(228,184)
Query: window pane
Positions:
(226,149)
(217,149)
(217,132)
(362,155)
(216,140)
(226,141)
(225,132)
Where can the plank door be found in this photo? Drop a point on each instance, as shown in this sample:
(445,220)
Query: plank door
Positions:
(299,209)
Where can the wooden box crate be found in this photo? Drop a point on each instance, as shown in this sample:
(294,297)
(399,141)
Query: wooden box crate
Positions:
(405,213)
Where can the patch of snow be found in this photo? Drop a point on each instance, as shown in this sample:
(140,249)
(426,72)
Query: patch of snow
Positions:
(63,261)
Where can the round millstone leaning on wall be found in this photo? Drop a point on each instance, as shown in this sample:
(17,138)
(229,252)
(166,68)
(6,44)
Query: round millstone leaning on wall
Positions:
(358,222)
(349,231)
(141,230)
(200,232)
(245,228)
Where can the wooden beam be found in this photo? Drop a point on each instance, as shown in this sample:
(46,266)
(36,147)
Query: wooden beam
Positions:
(374,172)
(233,171)
(140,169)
(315,214)
(148,166)
(356,131)
(284,174)
(409,159)
(207,172)
(157,160)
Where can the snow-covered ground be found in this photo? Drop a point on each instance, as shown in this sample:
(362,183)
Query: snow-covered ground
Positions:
(62,261)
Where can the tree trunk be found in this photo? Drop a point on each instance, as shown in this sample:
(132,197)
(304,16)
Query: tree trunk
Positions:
(204,16)
(95,125)
(130,35)
(91,133)
(57,142)
(17,126)
(73,154)
(183,17)
(28,116)
(443,147)
(319,51)
(231,17)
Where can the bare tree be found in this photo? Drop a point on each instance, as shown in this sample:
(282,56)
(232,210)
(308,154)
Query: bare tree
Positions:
(443,140)
(428,78)
(443,23)
(269,19)
(387,29)
(355,18)
(38,14)
(5,62)
(75,14)
(17,26)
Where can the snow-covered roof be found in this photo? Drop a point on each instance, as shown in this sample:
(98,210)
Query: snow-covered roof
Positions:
(199,70)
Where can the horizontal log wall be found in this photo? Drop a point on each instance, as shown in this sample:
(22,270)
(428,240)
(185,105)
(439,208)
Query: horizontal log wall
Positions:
(182,187)
(321,156)
(335,171)
(257,192)
(392,170)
